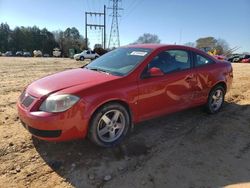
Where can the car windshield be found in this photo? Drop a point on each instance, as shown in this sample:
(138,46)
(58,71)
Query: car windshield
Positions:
(119,61)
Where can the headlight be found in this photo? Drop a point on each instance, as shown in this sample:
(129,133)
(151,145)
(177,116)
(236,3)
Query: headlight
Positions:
(58,103)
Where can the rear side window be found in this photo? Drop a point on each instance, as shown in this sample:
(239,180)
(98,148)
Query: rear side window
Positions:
(179,56)
(201,60)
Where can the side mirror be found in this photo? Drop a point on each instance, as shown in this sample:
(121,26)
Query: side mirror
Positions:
(155,72)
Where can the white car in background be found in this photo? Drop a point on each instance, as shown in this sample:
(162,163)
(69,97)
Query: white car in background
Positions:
(37,53)
(86,54)
(56,52)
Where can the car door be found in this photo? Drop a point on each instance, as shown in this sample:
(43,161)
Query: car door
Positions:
(168,93)
(92,55)
(88,55)
(205,72)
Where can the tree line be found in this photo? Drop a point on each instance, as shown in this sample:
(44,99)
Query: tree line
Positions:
(33,38)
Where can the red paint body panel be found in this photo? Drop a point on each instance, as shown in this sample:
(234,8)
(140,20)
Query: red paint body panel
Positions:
(146,98)
(71,122)
(245,60)
(63,80)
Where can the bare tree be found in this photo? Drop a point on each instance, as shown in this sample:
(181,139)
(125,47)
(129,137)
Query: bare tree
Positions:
(222,46)
(69,39)
(206,42)
(147,38)
(210,43)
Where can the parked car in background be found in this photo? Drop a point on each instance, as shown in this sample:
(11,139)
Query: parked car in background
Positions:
(56,52)
(104,99)
(19,53)
(239,58)
(8,53)
(26,54)
(0,53)
(86,54)
(45,55)
(37,53)
(234,58)
(220,57)
(246,60)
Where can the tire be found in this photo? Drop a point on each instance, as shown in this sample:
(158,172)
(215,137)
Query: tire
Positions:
(109,125)
(215,99)
(82,58)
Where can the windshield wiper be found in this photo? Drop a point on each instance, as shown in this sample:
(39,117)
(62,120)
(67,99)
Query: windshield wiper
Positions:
(99,70)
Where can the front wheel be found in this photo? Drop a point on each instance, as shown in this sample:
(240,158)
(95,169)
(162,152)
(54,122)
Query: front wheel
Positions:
(109,125)
(81,58)
(215,99)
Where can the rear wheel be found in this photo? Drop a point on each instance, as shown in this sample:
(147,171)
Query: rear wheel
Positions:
(215,99)
(109,125)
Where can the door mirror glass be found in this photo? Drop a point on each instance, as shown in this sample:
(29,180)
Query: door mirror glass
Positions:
(155,72)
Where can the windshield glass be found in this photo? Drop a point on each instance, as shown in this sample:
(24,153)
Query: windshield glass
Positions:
(119,61)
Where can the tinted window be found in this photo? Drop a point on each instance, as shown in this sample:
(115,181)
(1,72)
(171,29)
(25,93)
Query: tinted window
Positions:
(171,60)
(201,60)
(120,61)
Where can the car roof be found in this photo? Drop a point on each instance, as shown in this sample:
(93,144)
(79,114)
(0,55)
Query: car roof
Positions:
(173,46)
(157,46)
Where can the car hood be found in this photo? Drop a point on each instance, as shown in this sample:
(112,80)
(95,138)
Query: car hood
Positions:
(67,79)
(76,55)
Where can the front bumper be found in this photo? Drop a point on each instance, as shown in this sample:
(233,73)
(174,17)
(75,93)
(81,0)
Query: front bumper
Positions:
(42,133)
(77,57)
(62,126)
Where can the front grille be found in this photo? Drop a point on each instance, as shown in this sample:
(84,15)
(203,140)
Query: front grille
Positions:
(26,100)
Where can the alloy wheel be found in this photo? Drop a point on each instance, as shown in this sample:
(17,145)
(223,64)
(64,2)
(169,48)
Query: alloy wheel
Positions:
(111,125)
(217,99)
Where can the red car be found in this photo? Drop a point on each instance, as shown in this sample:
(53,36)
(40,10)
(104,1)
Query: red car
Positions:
(104,99)
(247,60)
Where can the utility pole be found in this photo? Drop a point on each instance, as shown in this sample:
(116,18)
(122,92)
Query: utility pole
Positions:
(114,40)
(96,26)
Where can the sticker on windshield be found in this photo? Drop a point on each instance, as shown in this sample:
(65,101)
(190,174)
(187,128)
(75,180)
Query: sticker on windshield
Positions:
(138,53)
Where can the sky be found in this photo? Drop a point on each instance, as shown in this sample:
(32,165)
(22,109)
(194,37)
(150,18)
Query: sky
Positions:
(174,21)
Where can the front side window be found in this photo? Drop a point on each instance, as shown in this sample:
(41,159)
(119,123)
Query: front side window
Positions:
(201,60)
(120,61)
(171,60)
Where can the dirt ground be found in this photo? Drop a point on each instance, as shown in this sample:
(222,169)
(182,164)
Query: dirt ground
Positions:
(186,149)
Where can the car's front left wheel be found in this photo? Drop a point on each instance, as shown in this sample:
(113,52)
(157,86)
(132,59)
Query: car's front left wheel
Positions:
(109,125)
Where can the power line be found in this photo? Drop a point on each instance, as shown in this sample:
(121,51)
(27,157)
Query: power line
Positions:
(133,6)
